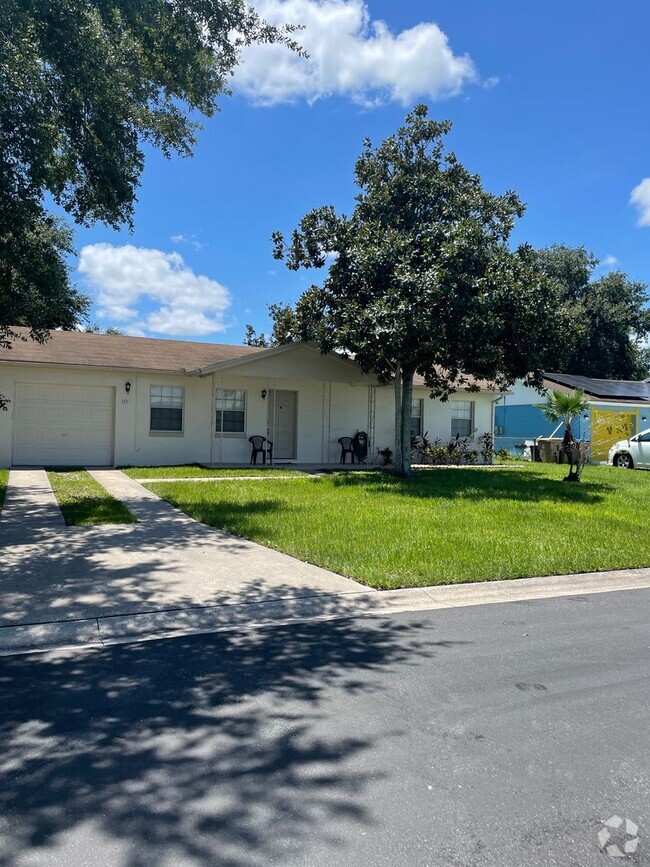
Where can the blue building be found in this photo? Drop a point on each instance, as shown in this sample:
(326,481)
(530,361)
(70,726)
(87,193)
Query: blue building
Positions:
(617,409)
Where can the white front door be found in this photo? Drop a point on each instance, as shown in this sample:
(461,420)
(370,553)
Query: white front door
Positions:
(63,425)
(282,423)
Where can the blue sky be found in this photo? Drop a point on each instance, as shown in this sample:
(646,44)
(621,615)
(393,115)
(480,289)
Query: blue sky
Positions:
(549,99)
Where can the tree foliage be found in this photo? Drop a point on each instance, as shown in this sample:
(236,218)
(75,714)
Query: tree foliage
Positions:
(422,279)
(85,87)
(96,328)
(611,315)
(561,407)
(285,328)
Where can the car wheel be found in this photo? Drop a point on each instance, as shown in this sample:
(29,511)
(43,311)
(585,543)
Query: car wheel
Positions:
(624,461)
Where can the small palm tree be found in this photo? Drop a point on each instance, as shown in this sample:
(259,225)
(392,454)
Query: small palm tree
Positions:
(565,407)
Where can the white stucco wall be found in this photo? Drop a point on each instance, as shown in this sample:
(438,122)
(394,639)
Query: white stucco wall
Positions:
(133,442)
(436,421)
(325,411)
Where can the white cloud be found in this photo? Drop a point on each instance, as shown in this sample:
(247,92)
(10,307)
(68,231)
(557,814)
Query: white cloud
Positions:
(608,262)
(350,55)
(640,198)
(126,277)
(184,239)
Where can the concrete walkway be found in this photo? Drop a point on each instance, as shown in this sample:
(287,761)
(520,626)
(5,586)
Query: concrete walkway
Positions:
(30,504)
(167,561)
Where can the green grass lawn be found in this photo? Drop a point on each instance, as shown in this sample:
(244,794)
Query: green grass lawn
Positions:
(4,479)
(442,526)
(83,501)
(194,471)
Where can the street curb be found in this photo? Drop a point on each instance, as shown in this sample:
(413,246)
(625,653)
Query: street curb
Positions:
(123,628)
(43,636)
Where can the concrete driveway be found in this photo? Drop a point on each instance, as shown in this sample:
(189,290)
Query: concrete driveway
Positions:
(50,572)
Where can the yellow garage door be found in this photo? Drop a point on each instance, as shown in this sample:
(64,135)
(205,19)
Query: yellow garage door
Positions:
(63,425)
(608,426)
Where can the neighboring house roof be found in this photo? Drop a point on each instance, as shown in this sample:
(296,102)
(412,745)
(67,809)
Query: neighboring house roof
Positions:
(85,349)
(606,389)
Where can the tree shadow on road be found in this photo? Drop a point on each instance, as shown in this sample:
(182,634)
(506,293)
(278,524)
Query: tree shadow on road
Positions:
(206,749)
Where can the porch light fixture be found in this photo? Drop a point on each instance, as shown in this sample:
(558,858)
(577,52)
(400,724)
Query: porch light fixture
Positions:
(127,387)
(264,392)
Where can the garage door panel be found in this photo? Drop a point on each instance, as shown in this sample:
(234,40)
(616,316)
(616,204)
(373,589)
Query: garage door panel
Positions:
(63,425)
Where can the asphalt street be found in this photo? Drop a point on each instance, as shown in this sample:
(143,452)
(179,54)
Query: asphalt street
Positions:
(490,735)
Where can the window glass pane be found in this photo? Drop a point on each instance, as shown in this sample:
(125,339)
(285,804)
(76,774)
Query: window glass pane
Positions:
(163,418)
(230,399)
(230,405)
(166,403)
(462,408)
(462,418)
(461,427)
(233,422)
(416,417)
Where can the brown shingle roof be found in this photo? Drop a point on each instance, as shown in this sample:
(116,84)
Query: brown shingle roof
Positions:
(481,384)
(117,351)
(135,353)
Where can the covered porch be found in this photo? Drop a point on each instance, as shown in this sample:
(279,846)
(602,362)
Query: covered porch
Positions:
(297,399)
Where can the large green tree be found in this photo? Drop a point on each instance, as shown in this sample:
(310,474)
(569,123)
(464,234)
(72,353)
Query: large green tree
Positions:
(611,314)
(85,87)
(35,287)
(422,279)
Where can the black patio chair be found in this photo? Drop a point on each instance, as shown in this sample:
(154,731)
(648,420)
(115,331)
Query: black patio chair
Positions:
(259,448)
(360,446)
(347,447)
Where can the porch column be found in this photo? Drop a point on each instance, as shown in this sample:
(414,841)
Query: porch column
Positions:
(326,422)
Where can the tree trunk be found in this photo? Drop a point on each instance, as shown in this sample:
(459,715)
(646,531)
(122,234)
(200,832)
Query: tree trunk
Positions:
(403,403)
(569,449)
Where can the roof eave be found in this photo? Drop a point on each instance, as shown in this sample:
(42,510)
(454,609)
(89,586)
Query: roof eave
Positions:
(269,353)
(175,371)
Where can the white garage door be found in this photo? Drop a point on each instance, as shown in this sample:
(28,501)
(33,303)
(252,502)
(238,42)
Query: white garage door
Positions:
(62,425)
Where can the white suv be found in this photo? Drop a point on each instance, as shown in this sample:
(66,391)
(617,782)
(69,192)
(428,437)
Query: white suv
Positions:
(631,453)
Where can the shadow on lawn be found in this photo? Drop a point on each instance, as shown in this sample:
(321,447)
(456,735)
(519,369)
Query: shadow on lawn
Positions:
(204,749)
(494,484)
(239,519)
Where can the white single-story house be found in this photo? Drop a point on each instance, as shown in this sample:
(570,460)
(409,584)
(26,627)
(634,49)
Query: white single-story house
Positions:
(110,400)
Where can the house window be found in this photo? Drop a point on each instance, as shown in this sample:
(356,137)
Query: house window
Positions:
(417,414)
(230,405)
(166,408)
(462,418)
